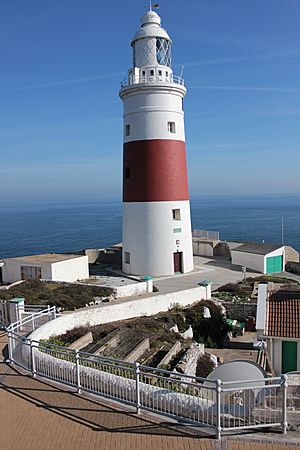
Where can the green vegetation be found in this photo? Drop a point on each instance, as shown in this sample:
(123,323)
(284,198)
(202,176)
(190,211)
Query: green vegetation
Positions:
(242,290)
(211,331)
(273,279)
(66,296)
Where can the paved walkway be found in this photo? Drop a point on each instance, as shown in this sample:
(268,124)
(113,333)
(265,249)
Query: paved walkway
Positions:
(37,415)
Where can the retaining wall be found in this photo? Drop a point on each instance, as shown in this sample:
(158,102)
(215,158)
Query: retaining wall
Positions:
(146,306)
(240,311)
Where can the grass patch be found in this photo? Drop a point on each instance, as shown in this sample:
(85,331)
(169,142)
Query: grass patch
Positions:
(68,297)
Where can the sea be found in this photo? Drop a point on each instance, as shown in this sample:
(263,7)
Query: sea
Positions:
(34,228)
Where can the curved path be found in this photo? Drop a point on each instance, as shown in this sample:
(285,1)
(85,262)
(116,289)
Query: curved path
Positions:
(35,414)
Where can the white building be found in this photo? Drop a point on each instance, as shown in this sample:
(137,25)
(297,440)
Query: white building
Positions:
(51,266)
(262,257)
(278,323)
(157,237)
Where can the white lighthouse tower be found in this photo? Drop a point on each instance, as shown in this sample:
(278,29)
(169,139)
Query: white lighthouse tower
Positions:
(157,238)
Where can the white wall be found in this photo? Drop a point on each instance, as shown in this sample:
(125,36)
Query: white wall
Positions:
(250,260)
(71,269)
(133,289)
(11,271)
(121,311)
(149,238)
(149,110)
(203,248)
(261,309)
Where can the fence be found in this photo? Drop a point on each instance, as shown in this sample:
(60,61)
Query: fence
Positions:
(4,313)
(212,404)
(11,311)
(205,234)
(152,79)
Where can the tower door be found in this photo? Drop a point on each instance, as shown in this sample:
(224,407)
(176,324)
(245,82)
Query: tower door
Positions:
(177,262)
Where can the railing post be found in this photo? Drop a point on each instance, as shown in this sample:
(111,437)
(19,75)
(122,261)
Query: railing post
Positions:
(32,357)
(218,392)
(137,387)
(284,386)
(33,322)
(10,348)
(77,371)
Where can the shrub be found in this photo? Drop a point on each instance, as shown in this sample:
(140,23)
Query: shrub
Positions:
(205,365)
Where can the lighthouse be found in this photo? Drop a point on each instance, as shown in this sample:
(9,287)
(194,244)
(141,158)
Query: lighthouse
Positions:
(156,235)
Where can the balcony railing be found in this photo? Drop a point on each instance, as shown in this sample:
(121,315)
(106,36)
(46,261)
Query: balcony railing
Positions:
(131,80)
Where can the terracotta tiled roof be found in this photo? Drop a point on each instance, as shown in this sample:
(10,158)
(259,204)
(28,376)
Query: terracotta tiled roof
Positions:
(283,315)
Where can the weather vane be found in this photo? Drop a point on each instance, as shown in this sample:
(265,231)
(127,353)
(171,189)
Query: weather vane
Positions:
(152,5)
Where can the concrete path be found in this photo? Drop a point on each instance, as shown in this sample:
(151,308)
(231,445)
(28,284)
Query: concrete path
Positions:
(37,415)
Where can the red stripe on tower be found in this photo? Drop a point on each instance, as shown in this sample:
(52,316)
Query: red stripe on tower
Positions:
(155,171)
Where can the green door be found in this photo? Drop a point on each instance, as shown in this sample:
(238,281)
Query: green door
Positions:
(275,264)
(289,356)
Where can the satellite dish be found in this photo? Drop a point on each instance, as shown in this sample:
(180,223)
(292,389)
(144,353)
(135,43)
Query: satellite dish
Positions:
(236,376)
(239,373)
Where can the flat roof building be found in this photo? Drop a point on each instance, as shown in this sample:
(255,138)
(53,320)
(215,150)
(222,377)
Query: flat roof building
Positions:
(49,266)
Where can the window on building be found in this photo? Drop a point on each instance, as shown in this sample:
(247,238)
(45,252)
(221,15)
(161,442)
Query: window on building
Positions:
(176,230)
(160,73)
(127,258)
(127,130)
(171,127)
(143,73)
(127,172)
(176,214)
(152,73)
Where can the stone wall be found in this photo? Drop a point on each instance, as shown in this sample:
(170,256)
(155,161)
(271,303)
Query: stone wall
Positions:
(241,310)
(293,267)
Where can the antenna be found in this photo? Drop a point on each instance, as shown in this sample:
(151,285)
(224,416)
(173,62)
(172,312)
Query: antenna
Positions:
(181,73)
(150,5)
(282,235)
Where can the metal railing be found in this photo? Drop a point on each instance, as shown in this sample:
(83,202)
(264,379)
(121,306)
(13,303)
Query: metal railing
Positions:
(205,234)
(131,80)
(208,403)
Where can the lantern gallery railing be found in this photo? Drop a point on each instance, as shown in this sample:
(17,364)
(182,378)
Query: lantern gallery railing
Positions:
(152,79)
(215,405)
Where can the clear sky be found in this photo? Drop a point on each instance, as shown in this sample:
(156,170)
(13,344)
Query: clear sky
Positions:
(61,118)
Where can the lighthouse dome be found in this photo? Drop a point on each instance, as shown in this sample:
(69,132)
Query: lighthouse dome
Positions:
(150,17)
(151,44)
(150,27)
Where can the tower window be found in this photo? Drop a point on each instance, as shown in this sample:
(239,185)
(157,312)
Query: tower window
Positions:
(152,73)
(127,172)
(176,214)
(127,258)
(160,73)
(171,127)
(176,230)
(127,130)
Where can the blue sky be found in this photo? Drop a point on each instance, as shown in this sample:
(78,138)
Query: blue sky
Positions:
(61,118)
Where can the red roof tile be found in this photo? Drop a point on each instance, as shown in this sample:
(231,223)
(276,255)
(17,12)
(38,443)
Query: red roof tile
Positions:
(283,315)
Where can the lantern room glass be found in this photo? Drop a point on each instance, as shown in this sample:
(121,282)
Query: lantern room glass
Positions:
(163,52)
